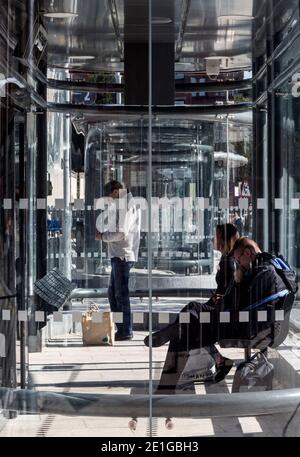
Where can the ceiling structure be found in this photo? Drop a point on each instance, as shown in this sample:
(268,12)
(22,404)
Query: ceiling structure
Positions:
(92,36)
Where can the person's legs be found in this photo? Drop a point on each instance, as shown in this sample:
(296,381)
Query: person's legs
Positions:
(114,306)
(181,341)
(205,335)
(174,365)
(163,335)
(183,338)
(122,270)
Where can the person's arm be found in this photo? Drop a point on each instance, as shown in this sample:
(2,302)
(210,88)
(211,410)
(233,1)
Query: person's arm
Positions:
(110,219)
(265,283)
(98,236)
(130,225)
(100,224)
(108,237)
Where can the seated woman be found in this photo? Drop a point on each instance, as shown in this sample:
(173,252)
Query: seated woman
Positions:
(226,235)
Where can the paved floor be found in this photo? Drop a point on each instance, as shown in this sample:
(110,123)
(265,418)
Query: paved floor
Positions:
(122,369)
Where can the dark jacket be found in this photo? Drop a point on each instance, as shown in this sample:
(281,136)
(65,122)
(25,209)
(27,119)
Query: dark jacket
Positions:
(259,283)
(225,274)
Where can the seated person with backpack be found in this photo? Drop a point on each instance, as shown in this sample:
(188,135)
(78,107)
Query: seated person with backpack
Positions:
(260,281)
(225,237)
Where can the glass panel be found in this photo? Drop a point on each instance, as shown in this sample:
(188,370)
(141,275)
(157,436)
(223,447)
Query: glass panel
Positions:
(88,138)
(287,113)
(261,182)
(285,19)
(101,145)
(149,300)
(182,170)
(9,356)
(201,177)
(233,165)
(288,58)
(260,26)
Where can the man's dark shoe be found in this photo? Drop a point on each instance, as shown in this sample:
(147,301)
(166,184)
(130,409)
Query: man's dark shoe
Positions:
(119,337)
(222,370)
(160,337)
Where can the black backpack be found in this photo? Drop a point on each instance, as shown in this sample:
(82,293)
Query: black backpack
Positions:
(284,270)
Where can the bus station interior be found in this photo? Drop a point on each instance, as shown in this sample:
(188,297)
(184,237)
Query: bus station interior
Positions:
(195,106)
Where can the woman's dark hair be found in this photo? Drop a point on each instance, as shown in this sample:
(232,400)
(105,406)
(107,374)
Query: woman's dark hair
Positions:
(111,186)
(228,234)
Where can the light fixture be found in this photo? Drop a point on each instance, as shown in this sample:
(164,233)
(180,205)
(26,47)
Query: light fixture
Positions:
(161,20)
(60,15)
(214,57)
(73,65)
(82,57)
(236,17)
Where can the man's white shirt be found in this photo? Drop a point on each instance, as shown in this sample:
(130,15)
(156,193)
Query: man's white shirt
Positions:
(120,225)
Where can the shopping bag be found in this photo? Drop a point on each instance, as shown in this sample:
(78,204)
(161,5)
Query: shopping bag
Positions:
(200,366)
(254,375)
(54,288)
(99,331)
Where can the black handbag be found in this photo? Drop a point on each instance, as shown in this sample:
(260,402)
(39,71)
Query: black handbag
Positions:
(253,375)
(54,288)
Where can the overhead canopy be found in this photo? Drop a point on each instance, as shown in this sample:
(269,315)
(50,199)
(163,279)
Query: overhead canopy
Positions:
(235,160)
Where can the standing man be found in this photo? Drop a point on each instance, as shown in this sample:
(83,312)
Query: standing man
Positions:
(119,227)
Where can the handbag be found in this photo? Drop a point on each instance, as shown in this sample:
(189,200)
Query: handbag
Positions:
(253,375)
(97,333)
(54,288)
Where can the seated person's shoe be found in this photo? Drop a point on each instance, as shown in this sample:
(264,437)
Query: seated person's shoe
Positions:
(120,337)
(222,370)
(160,337)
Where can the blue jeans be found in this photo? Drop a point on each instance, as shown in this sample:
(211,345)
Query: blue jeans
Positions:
(118,293)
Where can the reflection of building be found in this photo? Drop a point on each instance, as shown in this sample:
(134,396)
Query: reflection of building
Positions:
(182,169)
(210,95)
(230,186)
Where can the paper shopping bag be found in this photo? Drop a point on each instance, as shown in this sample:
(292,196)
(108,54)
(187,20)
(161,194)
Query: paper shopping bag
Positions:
(95,333)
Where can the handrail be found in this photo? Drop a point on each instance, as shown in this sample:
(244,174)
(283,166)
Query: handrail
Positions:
(196,406)
(81,293)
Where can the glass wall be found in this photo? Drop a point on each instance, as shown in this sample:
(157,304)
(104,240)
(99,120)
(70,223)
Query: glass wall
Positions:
(191,110)
(276,126)
(287,114)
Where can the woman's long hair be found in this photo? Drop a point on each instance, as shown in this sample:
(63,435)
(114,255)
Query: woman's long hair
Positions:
(228,235)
